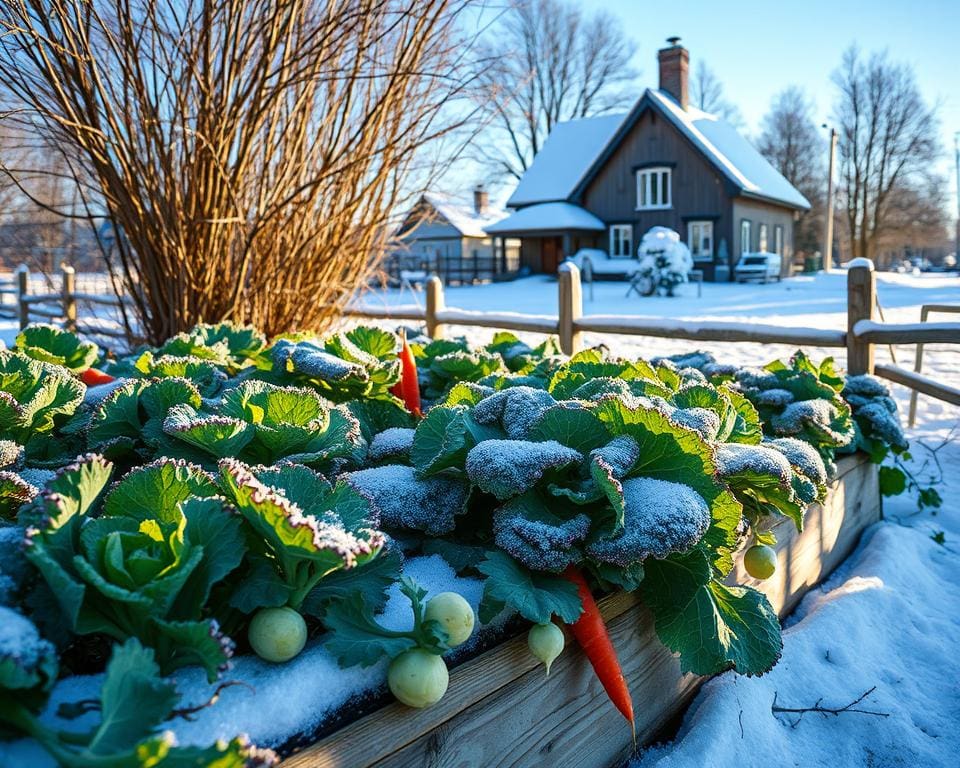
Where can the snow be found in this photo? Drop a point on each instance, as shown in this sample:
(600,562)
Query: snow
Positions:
(462,216)
(392,443)
(660,517)
(736,157)
(507,468)
(599,262)
(427,504)
(550,216)
(296,696)
(889,618)
(573,147)
(566,155)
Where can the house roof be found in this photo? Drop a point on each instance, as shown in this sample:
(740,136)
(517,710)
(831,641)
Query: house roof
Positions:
(575,151)
(463,217)
(550,216)
(566,155)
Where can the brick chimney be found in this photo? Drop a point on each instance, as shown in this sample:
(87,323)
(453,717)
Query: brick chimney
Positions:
(674,69)
(481,200)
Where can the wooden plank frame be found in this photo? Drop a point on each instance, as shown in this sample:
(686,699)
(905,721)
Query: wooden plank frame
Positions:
(501,711)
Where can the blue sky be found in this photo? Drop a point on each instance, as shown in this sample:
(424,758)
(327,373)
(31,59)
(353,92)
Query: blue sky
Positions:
(758,48)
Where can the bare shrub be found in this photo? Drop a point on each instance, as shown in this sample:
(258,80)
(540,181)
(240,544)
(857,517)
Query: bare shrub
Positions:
(249,153)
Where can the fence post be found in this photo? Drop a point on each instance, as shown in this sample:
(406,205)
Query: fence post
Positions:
(570,297)
(435,304)
(861,305)
(68,286)
(23,289)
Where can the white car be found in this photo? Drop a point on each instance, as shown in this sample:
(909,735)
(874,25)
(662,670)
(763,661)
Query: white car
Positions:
(758,266)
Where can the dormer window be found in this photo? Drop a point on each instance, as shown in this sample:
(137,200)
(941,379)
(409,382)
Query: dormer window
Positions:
(654,188)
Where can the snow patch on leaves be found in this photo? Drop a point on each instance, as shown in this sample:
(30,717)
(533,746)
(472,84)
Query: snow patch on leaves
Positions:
(507,468)
(428,504)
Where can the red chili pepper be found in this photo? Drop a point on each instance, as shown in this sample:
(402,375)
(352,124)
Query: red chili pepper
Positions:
(408,388)
(591,633)
(93,378)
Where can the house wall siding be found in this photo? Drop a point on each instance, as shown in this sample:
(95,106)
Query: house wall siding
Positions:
(698,190)
(758,212)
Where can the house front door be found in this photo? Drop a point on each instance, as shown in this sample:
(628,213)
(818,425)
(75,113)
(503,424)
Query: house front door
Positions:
(552,254)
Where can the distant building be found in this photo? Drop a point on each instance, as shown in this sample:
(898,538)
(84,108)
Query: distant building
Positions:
(602,182)
(446,236)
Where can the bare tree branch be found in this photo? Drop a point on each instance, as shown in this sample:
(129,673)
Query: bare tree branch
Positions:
(249,155)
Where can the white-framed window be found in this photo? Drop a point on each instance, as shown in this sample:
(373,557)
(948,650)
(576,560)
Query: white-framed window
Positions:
(778,239)
(654,188)
(700,240)
(621,241)
(762,238)
(744,236)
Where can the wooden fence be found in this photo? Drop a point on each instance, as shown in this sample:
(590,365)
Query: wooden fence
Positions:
(62,306)
(863,332)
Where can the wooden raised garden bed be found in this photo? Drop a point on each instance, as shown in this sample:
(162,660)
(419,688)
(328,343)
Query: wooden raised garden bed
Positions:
(501,711)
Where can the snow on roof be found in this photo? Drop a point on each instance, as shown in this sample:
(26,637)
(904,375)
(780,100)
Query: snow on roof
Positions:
(462,216)
(723,144)
(566,155)
(548,216)
(573,148)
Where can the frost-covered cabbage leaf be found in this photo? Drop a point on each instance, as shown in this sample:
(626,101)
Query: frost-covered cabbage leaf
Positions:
(134,701)
(762,479)
(144,567)
(506,468)
(545,534)
(129,420)
(50,344)
(204,374)
(360,363)
(444,438)
(391,445)
(307,528)
(538,597)
(35,398)
(801,399)
(405,501)
(444,363)
(262,423)
(875,416)
(520,358)
(230,346)
(595,363)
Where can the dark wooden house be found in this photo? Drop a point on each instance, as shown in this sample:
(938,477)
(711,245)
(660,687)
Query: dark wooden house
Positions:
(602,182)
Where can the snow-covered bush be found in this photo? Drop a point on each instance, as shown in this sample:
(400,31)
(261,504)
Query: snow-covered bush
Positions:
(664,260)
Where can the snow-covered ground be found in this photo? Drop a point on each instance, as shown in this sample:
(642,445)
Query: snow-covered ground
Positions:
(888,620)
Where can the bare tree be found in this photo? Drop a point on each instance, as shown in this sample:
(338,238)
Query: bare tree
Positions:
(250,155)
(887,150)
(706,93)
(790,140)
(543,63)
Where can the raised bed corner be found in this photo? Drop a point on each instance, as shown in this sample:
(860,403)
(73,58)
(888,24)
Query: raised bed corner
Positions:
(501,711)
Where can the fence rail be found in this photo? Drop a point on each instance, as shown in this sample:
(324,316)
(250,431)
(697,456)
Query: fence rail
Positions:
(62,305)
(863,331)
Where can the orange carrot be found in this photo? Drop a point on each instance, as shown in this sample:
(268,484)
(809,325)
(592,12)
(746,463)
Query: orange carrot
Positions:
(591,634)
(92,377)
(408,388)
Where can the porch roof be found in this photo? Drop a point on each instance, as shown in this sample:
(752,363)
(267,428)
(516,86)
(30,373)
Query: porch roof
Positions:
(547,217)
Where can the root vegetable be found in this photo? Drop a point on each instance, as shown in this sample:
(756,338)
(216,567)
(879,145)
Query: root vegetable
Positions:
(277,634)
(760,561)
(454,614)
(545,641)
(418,678)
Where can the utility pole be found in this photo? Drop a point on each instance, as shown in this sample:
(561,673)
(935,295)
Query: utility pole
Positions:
(956,155)
(828,227)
